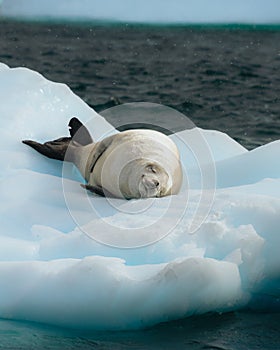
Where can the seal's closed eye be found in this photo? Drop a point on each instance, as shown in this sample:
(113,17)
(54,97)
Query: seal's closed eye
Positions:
(151,168)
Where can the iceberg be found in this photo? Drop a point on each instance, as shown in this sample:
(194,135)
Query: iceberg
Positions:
(76,260)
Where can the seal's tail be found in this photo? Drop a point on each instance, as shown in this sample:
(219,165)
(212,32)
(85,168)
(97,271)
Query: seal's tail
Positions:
(57,149)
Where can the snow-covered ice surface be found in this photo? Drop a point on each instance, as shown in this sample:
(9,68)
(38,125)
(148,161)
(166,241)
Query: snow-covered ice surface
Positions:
(80,261)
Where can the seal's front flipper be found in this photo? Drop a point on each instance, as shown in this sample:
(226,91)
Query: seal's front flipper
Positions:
(94,189)
(98,152)
(98,190)
(52,149)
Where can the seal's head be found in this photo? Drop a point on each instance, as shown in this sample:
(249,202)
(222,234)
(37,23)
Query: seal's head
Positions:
(154,181)
(144,179)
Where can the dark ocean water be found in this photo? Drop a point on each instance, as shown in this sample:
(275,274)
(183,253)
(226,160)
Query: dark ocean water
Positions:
(223,78)
(232,331)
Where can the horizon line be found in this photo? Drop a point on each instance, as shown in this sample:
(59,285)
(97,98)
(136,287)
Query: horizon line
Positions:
(108,21)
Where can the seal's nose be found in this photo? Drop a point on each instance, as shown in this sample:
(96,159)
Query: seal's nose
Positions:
(150,183)
(153,183)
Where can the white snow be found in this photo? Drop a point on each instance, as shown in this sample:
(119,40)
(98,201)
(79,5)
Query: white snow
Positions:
(77,260)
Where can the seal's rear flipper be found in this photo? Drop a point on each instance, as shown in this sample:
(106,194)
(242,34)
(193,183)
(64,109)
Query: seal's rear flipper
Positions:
(98,190)
(57,149)
(79,132)
(52,149)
